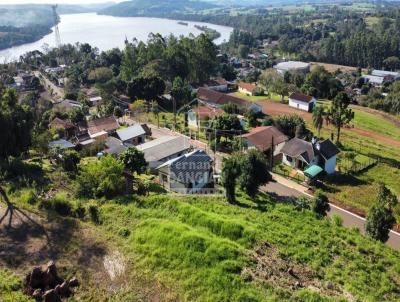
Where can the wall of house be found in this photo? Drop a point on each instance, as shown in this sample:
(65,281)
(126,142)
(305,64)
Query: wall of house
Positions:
(245,91)
(278,148)
(136,140)
(299,105)
(330,165)
(192,120)
(285,161)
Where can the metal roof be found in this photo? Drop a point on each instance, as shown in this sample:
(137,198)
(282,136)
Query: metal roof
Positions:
(62,143)
(131,132)
(164,147)
(313,171)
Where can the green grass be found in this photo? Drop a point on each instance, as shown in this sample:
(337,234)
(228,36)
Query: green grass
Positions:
(375,123)
(359,191)
(251,98)
(10,288)
(198,247)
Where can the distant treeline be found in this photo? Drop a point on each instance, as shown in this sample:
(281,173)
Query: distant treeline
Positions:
(13,36)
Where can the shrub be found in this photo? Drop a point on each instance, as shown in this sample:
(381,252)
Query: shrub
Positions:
(28,197)
(94,214)
(61,205)
(337,220)
(124,232)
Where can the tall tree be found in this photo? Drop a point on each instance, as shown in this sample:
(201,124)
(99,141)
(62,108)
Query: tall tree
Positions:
(253,172)
(318,118)
(339,113)
(380,218)
(229,175)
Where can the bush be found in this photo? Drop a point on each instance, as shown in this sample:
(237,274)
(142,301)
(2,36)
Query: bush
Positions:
(61,205)
(337,220)
(28,197)
(94,214)
(102,178)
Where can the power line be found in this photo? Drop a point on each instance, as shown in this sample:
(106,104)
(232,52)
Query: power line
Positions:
(56,29)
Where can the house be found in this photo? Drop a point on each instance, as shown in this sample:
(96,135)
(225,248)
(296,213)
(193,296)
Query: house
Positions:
(219,84)
(62,144)
(248,88)
(265,139)
(217,99)
(292,66)
(94,97)
(68,104)
(374,80)
(104,124)
(201,113)
(133,135)
(383,73)
(65,126)
(187,174)
(302,101)
(114,146)
(301,154)
(163,149)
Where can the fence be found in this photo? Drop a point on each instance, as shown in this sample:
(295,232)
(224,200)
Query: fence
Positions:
(352,166)
(299,178)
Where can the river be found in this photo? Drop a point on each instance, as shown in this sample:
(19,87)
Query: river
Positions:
(106,32)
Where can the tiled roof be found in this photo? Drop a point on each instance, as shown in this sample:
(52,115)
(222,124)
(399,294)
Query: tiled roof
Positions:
(301,97)
(247,86)
(220,98)
(297,147)
(59,123)
(207,111)
(261,137)
(102,124)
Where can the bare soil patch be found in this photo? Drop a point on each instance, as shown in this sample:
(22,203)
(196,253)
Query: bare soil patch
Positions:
(271,268)
(273,108)
(376,136)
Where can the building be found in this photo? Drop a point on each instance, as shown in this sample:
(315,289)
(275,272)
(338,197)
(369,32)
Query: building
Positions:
(107,124)
(68,104)
(66,127)
(383,73)
(114,146)
(301,154)
(374,80)
(62,144)
(292,66)
(188,174)
(219,84)
(265,139)
(133,135)
(217,99)
(201,113)
(248,88)
(161,150)
(302,101)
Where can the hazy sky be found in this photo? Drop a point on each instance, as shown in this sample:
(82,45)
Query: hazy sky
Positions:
(56,1)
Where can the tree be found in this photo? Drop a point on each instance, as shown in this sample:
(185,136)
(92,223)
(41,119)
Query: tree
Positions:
(339,114)
(118,113)
(133,160)
(291,125)
(253,172)
(101,178)
(318,118)
(320,204)
(275,83)
(251,116)
(181,95)
(392,63)
(70,160)
(101,75)
(243,51)
(225,125)
(380,218)
(16,122)
(229,174)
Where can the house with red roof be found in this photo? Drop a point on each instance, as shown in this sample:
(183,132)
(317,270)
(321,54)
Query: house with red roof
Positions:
(202,113)
(247,88)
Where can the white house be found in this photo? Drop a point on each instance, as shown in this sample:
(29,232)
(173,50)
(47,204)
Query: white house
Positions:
(247,88)
(301,154)
(302,101)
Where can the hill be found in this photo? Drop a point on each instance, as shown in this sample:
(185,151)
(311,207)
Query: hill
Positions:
(155,8)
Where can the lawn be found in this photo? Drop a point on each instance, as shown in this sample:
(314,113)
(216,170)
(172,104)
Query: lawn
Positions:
(375,123)
(251,98)
(359,191)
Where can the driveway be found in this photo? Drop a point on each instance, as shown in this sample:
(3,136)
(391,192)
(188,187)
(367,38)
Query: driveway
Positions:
(285,188)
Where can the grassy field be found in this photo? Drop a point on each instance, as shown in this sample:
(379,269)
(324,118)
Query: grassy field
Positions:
(375,123)
(359,191)
(251,98)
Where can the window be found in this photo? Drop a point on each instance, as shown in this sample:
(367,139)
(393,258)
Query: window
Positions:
(289,158)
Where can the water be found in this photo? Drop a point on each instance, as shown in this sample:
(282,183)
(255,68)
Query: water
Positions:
(106,32)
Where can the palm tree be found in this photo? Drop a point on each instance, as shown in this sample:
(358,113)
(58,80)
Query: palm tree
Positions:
(318,118)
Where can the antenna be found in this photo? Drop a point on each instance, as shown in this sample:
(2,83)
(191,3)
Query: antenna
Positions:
(56,30)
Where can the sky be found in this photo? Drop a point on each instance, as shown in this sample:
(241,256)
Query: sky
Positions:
(56,1)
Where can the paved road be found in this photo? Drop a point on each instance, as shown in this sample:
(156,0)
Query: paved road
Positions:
(349,219)
(58,93)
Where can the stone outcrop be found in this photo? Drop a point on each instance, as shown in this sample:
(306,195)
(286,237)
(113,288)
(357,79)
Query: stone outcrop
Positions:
(44,284)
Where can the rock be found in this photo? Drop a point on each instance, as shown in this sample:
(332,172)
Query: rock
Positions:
(73,282)
(36,278)
(37,294)
(51,296)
